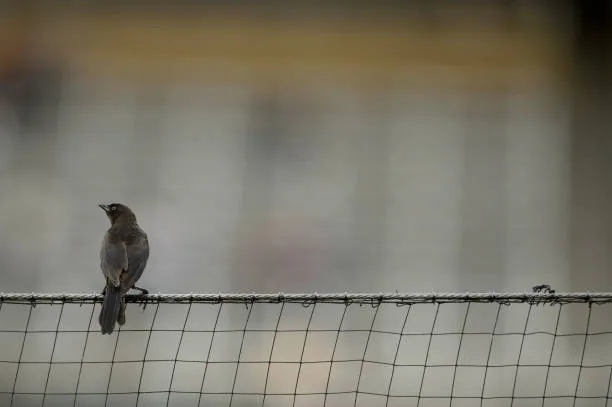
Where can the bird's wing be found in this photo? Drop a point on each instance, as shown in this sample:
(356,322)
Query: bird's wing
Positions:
(138,254)
(113,260)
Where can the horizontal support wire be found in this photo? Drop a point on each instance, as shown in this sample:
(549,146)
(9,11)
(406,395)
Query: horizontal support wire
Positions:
(310,298)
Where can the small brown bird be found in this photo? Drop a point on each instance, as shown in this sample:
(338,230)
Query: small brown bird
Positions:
(123,258)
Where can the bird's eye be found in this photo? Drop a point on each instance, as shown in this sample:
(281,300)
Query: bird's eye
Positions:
(113,208)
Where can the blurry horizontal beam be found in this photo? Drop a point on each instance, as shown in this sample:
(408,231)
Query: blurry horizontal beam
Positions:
(231,47)
(536,298)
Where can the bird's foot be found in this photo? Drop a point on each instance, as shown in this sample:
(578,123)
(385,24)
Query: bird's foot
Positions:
(143,292)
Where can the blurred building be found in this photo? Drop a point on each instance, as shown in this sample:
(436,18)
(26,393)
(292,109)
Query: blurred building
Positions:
(423,146)
(408,147)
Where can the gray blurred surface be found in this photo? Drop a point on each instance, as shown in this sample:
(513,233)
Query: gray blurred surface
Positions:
(426,192)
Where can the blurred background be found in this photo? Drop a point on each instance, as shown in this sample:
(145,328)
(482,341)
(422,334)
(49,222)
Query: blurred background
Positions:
(411,146)
(309,146)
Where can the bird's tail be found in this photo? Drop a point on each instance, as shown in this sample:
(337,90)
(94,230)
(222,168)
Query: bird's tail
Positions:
(111,308)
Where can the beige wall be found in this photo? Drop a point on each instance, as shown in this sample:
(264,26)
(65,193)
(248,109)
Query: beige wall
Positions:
(469,50)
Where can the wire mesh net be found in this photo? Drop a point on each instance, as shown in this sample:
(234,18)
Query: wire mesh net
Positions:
(309,350)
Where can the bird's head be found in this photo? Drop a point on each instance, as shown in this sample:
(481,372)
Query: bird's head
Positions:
(117,211)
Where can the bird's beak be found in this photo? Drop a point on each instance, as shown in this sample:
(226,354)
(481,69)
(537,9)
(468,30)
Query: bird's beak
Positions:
(105,208)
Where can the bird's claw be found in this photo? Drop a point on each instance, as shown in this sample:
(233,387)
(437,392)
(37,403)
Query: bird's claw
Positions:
(143,292)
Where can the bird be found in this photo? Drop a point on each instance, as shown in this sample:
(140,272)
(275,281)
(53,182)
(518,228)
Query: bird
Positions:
(123,258)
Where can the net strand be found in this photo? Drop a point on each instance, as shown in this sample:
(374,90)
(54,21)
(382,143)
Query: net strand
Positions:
(25,334)
(112,365)
(280,316)
(433,327)
(76,392)
(244,331)
(210,347)
(297,379)
(486,369)
(314,330)
(608,390)
(363,357)
(465,319)
(319,362)
(550,358)
(397,349)
(584,346)
(520,354)
(146,352)
(311,393)
(178,350)
(59,320)
(333,356)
